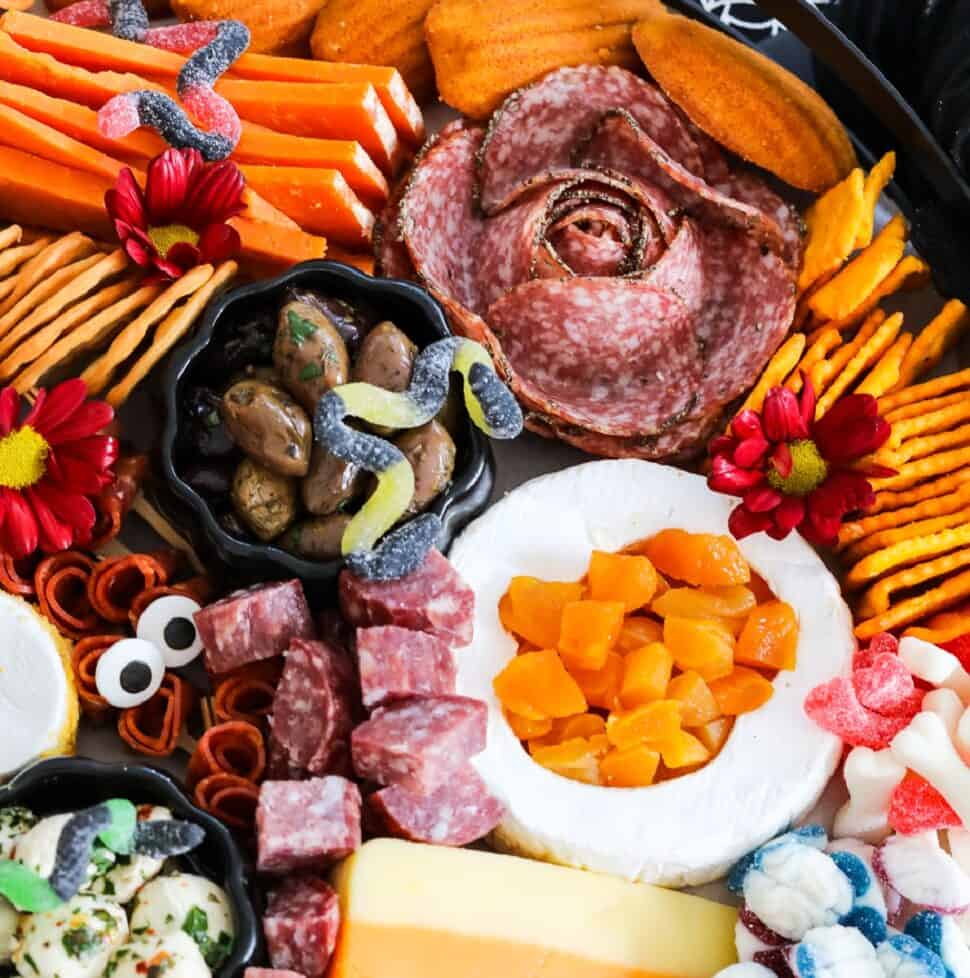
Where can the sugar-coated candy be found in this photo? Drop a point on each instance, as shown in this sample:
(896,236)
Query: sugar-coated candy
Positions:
(884,643)
(947,706)
(809,835)
(747,969)
(84,13)
(835,707)
(935,665)
(23,888)
(920,871)
(74,849)
(903,957)
(834,952)
(944,938)
(884,900)
(182,38)
(868,913)
(916,806)
(400,554)
(129,19)
(886,686)
(207,64)
(871,777)
(960,647)
(162,838)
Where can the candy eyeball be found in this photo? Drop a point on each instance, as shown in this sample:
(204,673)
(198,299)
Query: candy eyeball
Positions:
(169,624)
(130,672)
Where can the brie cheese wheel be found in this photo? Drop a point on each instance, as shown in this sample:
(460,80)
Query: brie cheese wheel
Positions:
(776,762)
(38,700)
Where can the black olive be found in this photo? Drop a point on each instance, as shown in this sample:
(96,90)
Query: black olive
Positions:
(206,434)
(211,478)
(249,342)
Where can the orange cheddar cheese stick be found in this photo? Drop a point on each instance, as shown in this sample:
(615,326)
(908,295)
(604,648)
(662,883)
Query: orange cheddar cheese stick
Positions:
(318,200)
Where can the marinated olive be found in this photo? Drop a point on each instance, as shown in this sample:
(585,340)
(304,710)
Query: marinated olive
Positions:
(266,374)
(452,414)
(431,452)
(386,358)
(349,321)
(210,477)
(309,353)
(330,484)
(264,500)
(268,425)
(207,435)
(317,538)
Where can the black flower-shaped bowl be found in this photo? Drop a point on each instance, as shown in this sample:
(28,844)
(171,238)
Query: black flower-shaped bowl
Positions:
(411,309)
(70,783)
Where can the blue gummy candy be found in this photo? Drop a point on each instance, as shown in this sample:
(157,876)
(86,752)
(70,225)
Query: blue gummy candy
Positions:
(739,871)
(400,553)
(913,952)
(868,921)
(927,928)
(855,870)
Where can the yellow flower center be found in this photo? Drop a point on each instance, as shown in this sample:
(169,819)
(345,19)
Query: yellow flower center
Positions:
(23,458)
(168,235)
(808,470)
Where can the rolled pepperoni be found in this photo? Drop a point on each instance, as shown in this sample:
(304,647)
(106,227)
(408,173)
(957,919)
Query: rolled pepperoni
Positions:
(115,500)
(198,588)
(236,747)
(61,582)
(247,693)
(84,659)
(17,576)
(230,798)
(116,583)
(153,728)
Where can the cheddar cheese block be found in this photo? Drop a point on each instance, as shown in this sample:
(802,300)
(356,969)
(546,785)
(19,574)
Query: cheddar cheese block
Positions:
(416,911)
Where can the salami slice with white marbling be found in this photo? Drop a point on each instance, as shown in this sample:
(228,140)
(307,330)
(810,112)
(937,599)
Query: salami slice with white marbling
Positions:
(395,663)
(301,925)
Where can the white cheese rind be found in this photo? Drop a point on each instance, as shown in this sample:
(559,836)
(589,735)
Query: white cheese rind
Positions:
(776,762)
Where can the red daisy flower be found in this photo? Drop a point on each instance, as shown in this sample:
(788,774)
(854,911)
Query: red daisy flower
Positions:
(792,471)
(50,463)
(179,221)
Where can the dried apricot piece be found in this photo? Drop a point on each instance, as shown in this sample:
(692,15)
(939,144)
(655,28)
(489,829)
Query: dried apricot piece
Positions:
(697,703)
(684,750)
(734,601)
(703,645)
(637,632)
(741,692)
(585,725)
(525,728)
(588,631)
(602,686)
(646,673)
(701,559)
(577,759)
(535,608)
(536,685)
(714,735)
(628,578)
(769,638)
(652,724)
(635,767)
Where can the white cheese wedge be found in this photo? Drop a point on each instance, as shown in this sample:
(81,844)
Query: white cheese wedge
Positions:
(776,763)
(38,700)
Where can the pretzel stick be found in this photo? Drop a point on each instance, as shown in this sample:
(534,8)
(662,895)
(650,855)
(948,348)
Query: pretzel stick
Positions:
(10,236)
(54,255)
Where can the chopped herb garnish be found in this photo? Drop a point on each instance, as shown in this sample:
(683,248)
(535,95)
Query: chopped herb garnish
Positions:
(301,329)
(196,925)
(311,371)
(80,941)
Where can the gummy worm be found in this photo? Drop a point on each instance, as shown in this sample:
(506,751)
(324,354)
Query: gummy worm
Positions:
(115,825)
(490,405)
(214,46)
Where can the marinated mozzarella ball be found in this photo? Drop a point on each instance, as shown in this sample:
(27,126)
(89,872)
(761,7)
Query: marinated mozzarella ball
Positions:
(75,940)
(15,821)
(174,956)
(189,904)
(37,848)
(128,874)
(8,928)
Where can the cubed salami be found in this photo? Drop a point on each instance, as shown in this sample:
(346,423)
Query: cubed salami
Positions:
(257,623)
(301,925)
(271,973)
(456,813)
(419,743)
(395,663)
(433,599)
(313,710)
(279,767)
(306,825)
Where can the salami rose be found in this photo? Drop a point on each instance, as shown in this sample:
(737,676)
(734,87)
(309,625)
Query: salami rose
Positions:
(629,280)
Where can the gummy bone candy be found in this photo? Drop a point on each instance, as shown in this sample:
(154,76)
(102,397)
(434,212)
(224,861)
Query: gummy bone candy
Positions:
(926,747)
(871,777)
(490,405)
(936,666)
(920,871)
(115,825)
(213,47)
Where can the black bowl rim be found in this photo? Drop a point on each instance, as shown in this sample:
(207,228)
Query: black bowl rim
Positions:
(248,943)
(459,503)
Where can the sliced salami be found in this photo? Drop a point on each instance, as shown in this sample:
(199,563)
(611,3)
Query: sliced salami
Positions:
(314,708)
(419,743)
(306,825)
(433,599)
(254,624)
(396,663)
(301,925)
(459,812)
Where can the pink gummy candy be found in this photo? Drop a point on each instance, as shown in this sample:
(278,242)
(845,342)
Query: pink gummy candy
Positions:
(916,806)
(835,707)
(882,644)
(212,112)
(182,38)
(118,117)
(84,13)
(886,686)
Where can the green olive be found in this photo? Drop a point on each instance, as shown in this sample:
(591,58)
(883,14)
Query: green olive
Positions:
(264,500)
(317,538)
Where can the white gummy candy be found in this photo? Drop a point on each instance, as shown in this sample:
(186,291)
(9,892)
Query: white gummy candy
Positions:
(935,665)
(947,706)
(917,868)
(902,957)
(834,952)
(871,776)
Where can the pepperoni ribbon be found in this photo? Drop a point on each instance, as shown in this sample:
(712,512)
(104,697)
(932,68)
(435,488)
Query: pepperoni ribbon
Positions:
(213,47)
(198,588)
(235,748)
(17,576)
(116,583)
(229,798)
(84,659)
(61,582)
(247,693)
(153,727)
(115,500)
